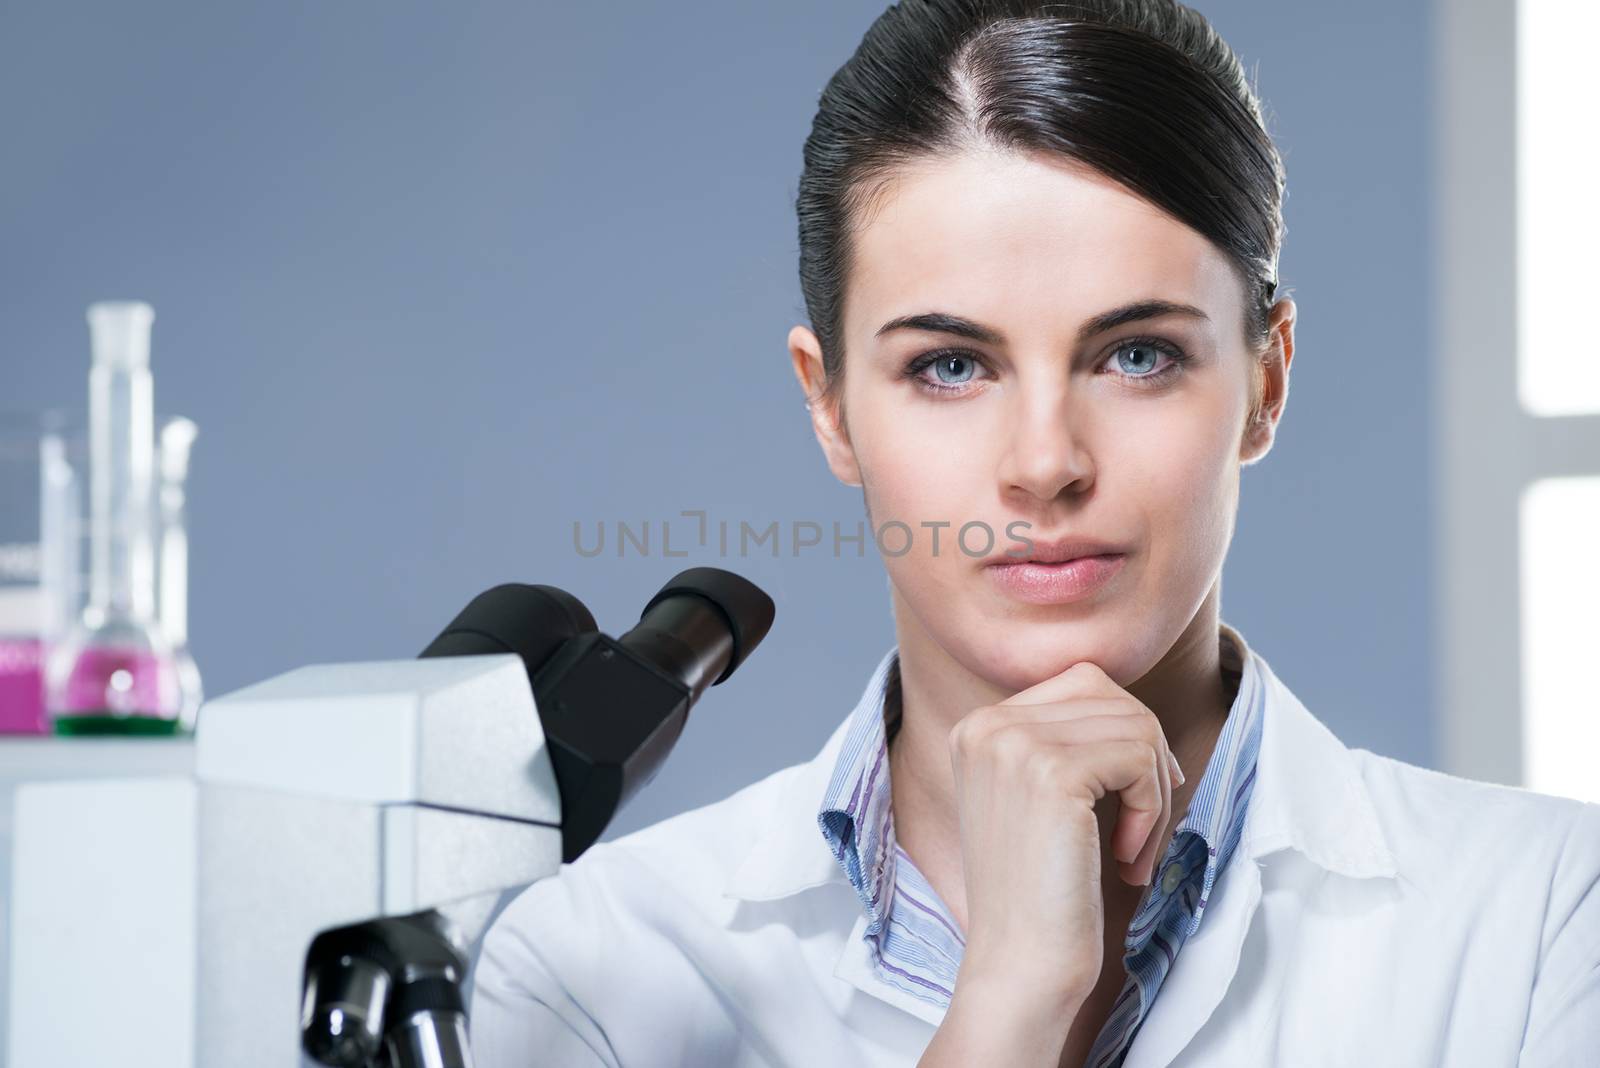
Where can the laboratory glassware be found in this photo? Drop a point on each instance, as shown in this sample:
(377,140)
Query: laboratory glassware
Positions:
(23,607)
(174,442)
(113,672)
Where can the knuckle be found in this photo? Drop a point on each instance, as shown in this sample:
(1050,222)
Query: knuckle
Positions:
(1044,769)
(1085,669)
(1012,745)
(1146,727)
(959,742)
(968,729)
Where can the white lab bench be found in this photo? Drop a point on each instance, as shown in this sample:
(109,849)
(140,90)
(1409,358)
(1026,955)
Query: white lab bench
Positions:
(27,759)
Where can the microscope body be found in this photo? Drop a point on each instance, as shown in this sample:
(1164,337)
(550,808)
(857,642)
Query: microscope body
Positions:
(337,794)
(350,829)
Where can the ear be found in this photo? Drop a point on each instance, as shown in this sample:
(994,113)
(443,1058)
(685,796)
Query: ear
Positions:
(1262,430)
(827,416)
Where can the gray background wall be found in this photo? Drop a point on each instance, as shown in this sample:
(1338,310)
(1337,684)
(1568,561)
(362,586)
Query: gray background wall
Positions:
(437,281)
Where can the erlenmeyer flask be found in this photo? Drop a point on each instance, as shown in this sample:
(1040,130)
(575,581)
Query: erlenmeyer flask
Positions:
(114,671)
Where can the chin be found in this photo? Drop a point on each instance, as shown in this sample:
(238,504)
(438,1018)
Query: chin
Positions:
(1019,654)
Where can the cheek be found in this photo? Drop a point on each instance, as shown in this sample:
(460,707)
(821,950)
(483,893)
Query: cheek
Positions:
(1188,488)
(933,496)
(913,472)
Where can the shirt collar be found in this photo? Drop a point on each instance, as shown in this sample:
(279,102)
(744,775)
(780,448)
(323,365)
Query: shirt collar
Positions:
(1228,779)
(1309,795)
(855,815)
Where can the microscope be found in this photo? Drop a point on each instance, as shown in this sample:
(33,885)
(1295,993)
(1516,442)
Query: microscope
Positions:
(357,823)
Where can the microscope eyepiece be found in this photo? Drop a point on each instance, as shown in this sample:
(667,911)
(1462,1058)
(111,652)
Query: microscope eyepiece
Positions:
(745,609)
(611,709)
(701,626)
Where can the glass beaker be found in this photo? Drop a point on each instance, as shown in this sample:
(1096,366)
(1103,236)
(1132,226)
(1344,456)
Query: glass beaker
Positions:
(25,610)
(113,670)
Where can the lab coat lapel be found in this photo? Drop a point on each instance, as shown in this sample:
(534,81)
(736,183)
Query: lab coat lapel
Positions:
(789,853)
(1203,970)
(1308,796)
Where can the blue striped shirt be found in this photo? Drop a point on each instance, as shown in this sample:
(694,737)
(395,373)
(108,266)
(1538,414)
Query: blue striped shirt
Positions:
(915,942)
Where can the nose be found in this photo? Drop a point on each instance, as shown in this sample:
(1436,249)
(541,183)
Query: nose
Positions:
(1046,450)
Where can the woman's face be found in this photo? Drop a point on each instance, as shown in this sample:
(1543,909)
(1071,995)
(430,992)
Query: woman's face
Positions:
(1133,434)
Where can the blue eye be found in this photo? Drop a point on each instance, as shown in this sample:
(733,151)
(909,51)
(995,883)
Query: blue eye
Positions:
(1151,350)
(954,368)
(1136,360)
(1145,350)
(949,368)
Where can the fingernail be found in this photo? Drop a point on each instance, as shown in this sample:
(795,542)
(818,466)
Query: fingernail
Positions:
(1176,770)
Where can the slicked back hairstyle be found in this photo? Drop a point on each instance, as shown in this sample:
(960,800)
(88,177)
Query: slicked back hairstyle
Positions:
(1144,91)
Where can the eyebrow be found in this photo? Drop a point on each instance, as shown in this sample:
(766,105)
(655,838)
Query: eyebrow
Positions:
(944,323)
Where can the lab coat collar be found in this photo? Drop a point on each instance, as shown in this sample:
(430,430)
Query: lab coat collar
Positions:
(1309,796)
(790,854)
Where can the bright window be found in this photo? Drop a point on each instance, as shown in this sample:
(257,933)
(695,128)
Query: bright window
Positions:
(1560,537)
(1558,207)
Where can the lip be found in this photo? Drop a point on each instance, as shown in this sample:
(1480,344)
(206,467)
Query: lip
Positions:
(1058,551)
(1039,582)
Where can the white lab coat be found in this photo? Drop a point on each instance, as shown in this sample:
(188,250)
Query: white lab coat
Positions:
(1374,913)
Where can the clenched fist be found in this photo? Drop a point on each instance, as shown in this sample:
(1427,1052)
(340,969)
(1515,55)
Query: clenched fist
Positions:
(1028,774)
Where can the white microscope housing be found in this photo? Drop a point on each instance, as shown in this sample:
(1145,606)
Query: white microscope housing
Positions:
(339,793)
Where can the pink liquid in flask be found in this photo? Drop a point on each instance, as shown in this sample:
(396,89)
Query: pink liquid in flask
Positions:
(119,690)
(22,687)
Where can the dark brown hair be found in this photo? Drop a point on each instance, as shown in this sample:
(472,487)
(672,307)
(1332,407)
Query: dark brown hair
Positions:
(1143,91)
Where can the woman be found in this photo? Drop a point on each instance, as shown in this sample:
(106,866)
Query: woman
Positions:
(1073,809)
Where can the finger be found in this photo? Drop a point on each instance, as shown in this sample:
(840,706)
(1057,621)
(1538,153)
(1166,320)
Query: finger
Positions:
(1144,865)
(1111,723)
(1114,754)
(1130,768)
(1140,870)
(975,730)
(1102,722)
(1080,680)
(994,717)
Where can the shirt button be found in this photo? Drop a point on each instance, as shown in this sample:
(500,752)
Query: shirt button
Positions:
(1171,877)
